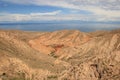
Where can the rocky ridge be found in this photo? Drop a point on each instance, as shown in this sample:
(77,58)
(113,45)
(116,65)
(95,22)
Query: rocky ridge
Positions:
(60,55)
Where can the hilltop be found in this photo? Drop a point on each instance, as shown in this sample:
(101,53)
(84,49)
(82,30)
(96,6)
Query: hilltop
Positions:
(59,55)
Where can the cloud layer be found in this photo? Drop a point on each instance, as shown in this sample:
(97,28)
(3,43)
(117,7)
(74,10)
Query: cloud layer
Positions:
(102,10)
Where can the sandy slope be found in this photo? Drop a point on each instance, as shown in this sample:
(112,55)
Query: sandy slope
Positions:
(59,55)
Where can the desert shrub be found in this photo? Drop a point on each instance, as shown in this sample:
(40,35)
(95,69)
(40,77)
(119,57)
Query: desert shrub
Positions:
(53,55)
(52,77)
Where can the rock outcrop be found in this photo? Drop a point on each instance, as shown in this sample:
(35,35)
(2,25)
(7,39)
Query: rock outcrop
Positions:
(60,55)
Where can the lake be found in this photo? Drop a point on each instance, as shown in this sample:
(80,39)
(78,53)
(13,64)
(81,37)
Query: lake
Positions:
(86,27)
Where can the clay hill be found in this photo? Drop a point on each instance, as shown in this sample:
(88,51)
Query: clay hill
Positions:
(59,55)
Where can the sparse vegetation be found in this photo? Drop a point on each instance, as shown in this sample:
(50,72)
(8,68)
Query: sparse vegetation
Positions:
(97,56)
(52,77)
(53,55)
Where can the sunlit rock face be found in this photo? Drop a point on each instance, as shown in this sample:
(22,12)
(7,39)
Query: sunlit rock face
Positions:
(60,42)
(59,55)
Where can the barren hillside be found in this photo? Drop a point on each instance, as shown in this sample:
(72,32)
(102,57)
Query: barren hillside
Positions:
(59,55)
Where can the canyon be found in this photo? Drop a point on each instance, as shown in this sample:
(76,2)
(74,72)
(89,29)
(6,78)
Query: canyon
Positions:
(59,55)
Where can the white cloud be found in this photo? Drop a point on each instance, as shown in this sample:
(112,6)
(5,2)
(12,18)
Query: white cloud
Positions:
(49,16)
(48,13)
(102,10)
(76,4)
(26,17)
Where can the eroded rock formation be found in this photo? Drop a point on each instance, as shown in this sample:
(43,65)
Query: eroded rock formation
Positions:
(60,55)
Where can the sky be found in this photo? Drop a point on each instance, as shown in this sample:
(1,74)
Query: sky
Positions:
(59,10)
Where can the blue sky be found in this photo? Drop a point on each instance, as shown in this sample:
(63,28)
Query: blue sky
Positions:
(59,10)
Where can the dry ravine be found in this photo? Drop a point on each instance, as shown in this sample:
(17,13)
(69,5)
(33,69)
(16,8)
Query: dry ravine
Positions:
(59,55)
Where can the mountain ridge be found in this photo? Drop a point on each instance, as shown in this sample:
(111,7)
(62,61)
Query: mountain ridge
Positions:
(59,55)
